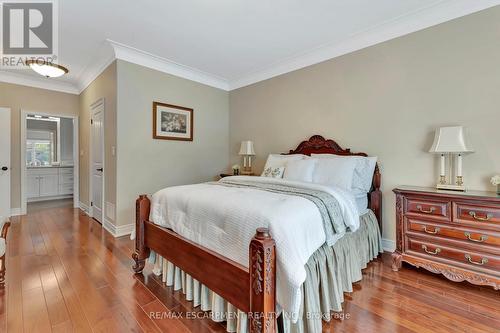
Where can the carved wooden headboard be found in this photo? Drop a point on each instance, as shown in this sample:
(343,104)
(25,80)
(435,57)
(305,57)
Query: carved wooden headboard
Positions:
(319,145)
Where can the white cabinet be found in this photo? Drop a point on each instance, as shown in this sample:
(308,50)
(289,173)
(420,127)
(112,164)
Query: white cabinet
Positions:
(48,183)
(65,181)
(32,186)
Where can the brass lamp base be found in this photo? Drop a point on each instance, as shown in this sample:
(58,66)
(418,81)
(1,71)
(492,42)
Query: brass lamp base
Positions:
(449,187)
(443,185)
(247,171)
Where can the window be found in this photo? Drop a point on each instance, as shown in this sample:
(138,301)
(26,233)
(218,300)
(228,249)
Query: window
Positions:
(40,151)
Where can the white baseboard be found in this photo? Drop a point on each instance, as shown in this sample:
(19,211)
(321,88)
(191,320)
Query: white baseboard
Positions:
(110,210)
(118,231)
(15,212)
(388,245)
(84,207)
(124,230)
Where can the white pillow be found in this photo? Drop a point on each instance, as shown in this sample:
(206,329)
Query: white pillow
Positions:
(301,170)
(277,160)
(273,172)
(363,172)
(334,171)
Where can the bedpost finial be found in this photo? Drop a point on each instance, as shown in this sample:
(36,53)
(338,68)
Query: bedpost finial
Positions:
(262,233)
(376,178)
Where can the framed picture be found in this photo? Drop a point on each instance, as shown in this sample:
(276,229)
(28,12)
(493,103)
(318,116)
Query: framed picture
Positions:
(172,122)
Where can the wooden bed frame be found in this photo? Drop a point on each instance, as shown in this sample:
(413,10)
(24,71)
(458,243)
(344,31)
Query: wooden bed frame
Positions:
(250,290)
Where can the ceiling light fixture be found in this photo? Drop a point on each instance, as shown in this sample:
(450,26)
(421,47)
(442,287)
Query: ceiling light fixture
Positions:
(47,69)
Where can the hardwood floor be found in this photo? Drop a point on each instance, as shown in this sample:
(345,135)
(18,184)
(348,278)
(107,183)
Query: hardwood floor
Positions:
(36,206)
(65,273)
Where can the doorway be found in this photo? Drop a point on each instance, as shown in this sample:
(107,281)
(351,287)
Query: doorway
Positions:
(49,160)
(97,160)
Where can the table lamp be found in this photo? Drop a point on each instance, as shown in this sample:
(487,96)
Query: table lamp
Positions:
(247,151)
(448,142)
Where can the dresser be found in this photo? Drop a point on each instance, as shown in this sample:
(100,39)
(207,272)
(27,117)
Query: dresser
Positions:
(456,234)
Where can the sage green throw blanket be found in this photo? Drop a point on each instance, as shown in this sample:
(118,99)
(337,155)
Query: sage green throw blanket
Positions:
(328,205)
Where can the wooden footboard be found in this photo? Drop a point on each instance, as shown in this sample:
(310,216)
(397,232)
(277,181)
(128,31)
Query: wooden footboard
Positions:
(250,290)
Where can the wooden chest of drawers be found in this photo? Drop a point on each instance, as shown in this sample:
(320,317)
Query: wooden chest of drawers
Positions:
(455,234)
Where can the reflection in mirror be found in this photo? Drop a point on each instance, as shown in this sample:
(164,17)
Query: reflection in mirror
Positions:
(42,140)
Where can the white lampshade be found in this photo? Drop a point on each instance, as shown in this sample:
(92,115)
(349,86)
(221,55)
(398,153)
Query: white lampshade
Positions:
(450,140)
(246,148)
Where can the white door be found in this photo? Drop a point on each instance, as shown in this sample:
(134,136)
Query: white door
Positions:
(97,139)
(4,163)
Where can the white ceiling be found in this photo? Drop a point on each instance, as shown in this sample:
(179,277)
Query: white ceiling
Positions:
(228,43)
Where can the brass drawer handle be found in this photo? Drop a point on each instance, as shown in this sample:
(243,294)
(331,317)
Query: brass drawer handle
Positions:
(430,211)
(436,230)
(483,260)
(480,240)
(479,218)
(436,251)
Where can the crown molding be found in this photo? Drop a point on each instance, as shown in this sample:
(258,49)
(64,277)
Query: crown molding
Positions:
(35,82)
(441,12)
(423,18)
(139,57)
(93,70)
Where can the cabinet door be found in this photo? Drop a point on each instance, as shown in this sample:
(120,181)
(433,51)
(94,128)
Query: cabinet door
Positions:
(32,186)
(49,185)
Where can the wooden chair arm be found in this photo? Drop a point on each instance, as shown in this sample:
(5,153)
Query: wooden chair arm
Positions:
(5,229)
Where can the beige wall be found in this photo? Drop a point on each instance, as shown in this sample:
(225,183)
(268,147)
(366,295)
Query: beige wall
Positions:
(146,165)
(17,97)
(387,100)
(104,86)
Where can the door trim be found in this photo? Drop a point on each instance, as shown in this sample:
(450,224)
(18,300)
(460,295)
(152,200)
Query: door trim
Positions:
(9,210)
(100,101)
(76,156)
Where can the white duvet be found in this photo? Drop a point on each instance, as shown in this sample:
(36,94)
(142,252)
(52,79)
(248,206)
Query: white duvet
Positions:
(224,219)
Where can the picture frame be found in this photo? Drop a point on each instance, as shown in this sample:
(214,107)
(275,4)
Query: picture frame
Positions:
(172,122)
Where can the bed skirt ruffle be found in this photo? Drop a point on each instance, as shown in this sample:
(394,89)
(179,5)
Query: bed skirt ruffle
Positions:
(331,271)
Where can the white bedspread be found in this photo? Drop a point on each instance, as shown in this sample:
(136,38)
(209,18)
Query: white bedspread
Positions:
(224,219)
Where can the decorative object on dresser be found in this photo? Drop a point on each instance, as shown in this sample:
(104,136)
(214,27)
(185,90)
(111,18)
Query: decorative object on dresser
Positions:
(450,141)
(495,180)
(455,234)
(247,151)
(172,122)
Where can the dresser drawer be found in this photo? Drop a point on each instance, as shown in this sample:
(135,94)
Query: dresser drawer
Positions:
(476,215)
(65,178)
(469,235)
(65,171)
(429,208)
(471,259)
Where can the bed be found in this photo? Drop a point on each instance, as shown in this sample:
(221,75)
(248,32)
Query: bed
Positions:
(274,267)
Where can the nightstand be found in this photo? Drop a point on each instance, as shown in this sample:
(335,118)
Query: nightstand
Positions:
(456,234)
(222,175)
